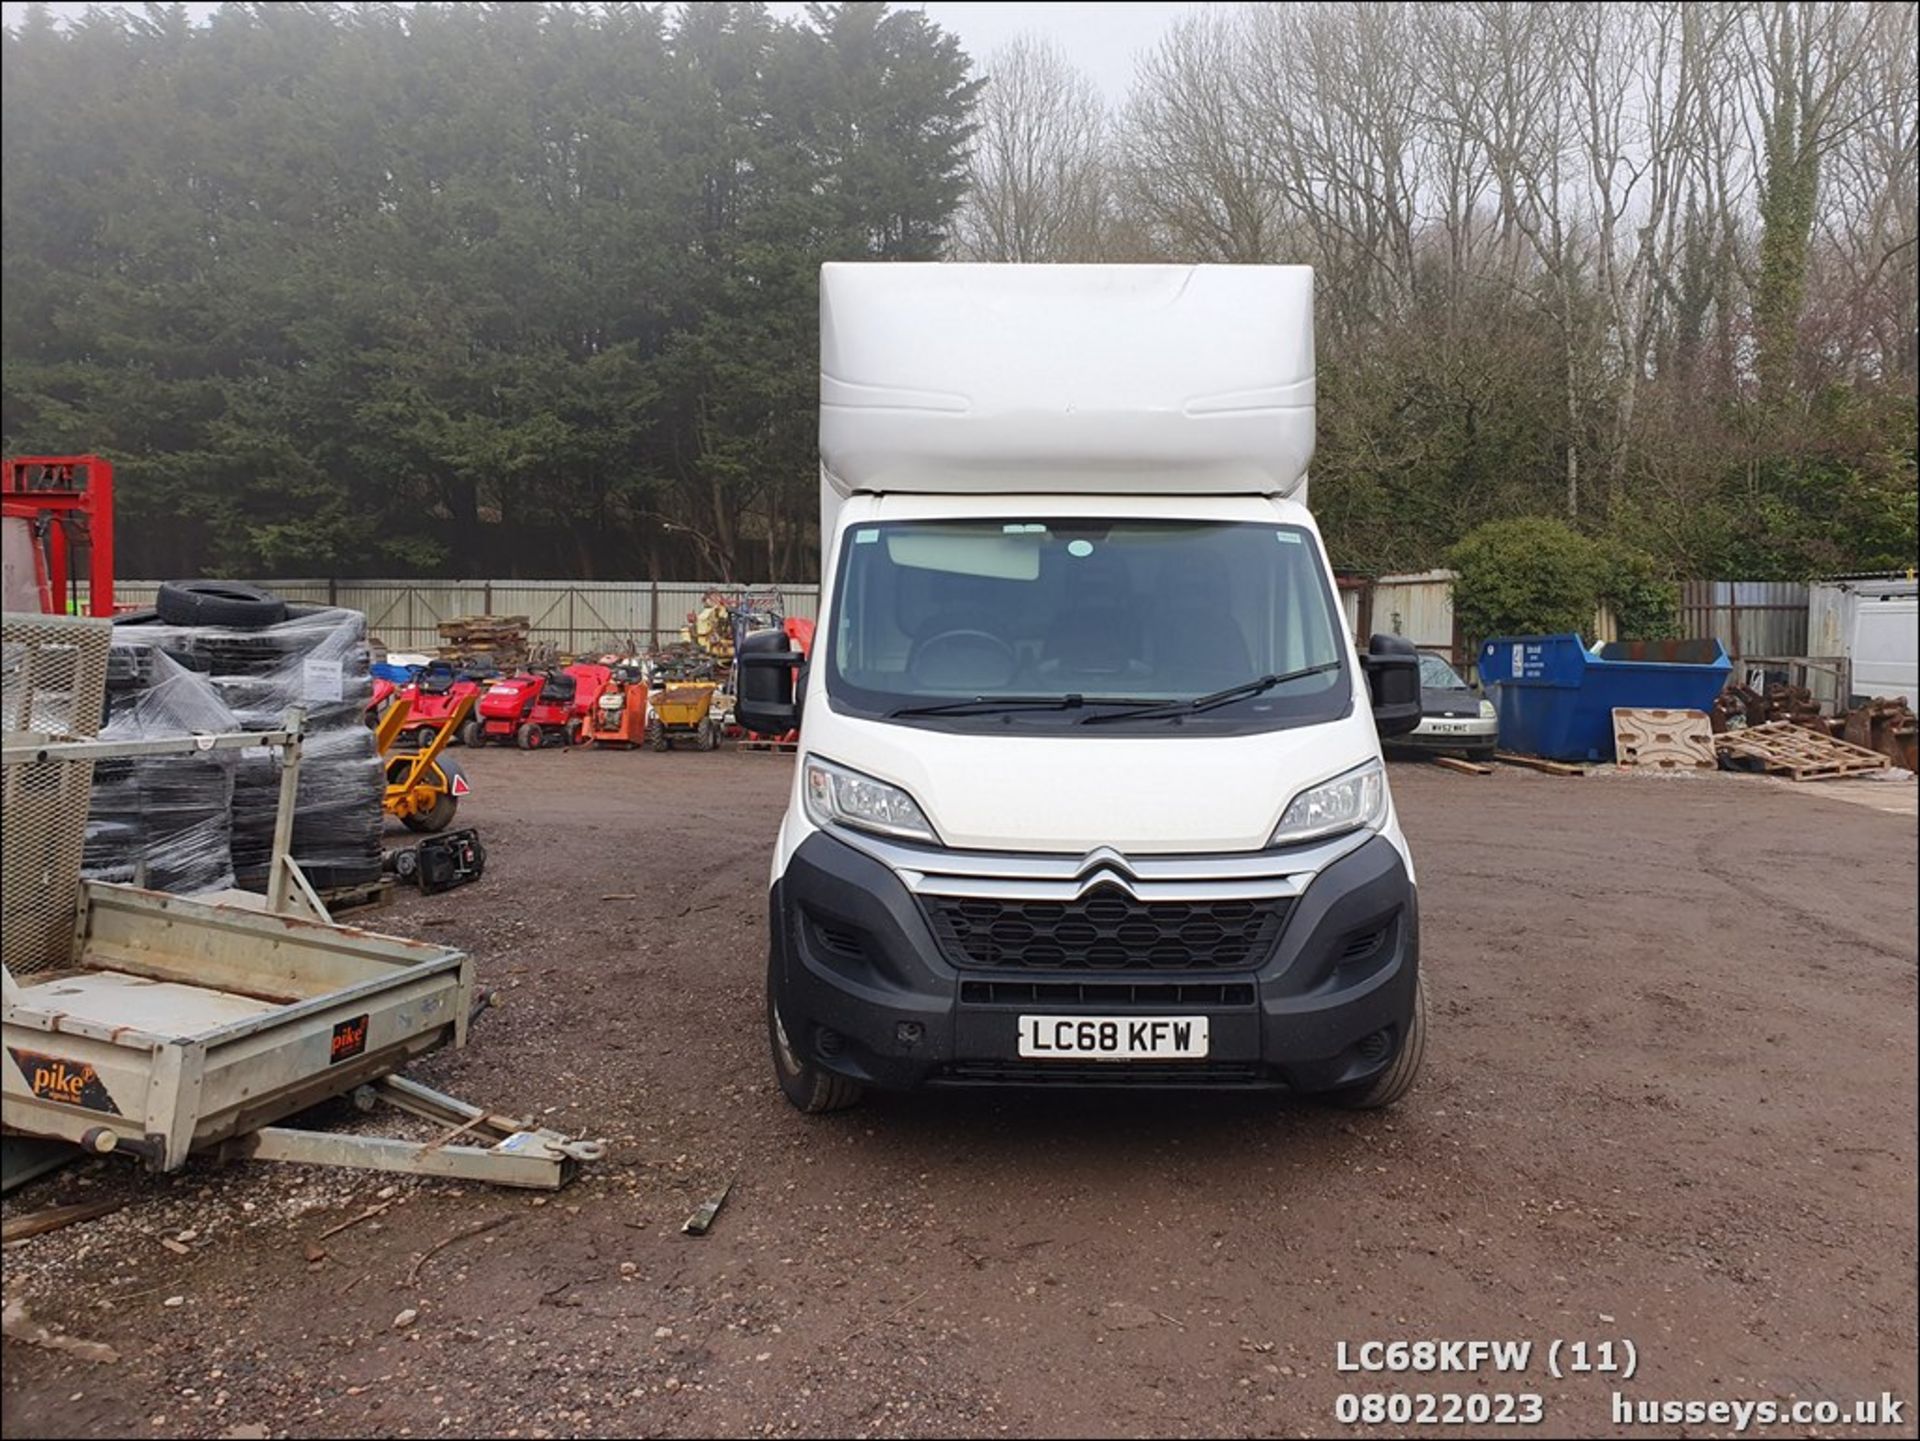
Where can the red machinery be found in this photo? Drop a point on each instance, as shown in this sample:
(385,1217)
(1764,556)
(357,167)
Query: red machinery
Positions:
(384,690)
(528,708)
(589,679)
(67,503)
(434,696)
(619,713)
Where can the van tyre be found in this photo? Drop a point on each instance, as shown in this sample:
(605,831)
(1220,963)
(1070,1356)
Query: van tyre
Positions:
(810,1088)
(1398,1078)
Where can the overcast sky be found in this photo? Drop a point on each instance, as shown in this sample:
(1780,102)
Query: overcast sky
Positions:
(1101,38)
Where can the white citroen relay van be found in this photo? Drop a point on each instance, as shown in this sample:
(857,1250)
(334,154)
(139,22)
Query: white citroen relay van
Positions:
(1089,789)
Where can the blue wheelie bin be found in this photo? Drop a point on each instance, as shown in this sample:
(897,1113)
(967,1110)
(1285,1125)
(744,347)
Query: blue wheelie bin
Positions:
(1556,698)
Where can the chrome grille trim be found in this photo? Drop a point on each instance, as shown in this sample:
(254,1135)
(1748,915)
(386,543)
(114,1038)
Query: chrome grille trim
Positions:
(1047,876)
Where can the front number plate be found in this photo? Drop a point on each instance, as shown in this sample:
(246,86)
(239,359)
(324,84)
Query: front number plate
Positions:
(1112,1038)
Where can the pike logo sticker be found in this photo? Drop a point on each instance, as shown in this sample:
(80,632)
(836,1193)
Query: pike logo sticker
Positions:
(71,1083)
(349,1039)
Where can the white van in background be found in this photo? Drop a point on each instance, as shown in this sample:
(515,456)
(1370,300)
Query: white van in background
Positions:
(1089,789)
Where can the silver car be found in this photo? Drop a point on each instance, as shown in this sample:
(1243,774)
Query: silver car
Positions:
(1455,719)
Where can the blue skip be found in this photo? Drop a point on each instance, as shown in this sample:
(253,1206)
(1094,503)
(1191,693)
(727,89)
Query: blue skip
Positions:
(1556,698)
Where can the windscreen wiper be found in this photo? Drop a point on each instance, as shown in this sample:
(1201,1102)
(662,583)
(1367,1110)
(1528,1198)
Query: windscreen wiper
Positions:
(992,704)
(1257,686)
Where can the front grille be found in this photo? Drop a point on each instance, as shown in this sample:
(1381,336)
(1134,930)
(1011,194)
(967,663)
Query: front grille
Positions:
(1106,929)
(1114,995)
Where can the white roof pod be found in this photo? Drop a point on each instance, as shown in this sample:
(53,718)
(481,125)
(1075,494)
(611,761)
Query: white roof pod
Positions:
(1142,379)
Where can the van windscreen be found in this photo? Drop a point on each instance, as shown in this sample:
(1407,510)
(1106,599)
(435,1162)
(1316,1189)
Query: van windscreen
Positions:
(1052,620)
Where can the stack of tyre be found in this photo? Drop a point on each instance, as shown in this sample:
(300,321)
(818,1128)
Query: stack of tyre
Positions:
(261,656)
(162,820)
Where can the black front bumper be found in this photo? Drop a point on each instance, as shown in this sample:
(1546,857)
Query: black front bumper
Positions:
(864,989)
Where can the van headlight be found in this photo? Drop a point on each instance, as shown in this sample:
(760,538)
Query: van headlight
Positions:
(1487,712)
(1345,803)
(837,796)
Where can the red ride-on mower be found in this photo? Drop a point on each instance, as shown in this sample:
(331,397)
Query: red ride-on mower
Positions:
(434,697)
(528,709)
(384,691)
(590,678)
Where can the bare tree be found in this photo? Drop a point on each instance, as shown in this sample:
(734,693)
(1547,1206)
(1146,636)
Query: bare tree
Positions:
(1038,171)
(1862,271)
(1335,88)
(1196,163)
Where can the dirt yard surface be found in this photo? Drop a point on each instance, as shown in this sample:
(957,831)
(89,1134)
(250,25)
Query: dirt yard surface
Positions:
(1669,1098)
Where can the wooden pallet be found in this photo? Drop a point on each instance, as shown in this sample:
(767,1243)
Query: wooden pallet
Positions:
(1783,748)
(369,896)
(1668,740)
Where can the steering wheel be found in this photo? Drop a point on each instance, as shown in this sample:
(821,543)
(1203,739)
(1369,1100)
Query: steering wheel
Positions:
(980,658)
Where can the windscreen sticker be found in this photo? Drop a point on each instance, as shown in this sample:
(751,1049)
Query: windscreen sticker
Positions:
(1287,537)
(866,537)
(71,1083)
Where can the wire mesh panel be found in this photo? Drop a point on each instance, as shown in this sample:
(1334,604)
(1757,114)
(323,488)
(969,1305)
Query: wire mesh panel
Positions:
(53,675)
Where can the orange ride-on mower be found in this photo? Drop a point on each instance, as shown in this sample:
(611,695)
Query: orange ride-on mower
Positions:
(618,716)
(423,787)
(529,709)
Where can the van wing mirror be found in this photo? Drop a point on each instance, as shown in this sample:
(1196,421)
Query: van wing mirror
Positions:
(768,703)
(1392,665)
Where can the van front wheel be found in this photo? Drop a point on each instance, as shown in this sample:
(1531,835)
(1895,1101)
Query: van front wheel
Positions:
(809,1087)
(1398,1078)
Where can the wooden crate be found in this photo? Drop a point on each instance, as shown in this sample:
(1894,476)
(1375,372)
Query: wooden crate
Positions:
(1668,740)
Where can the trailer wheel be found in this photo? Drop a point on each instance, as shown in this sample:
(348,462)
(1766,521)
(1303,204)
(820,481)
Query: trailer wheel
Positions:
(472,735)
(530,737)
(436,817)
(809,1087)
(1398,1078)
(657,736)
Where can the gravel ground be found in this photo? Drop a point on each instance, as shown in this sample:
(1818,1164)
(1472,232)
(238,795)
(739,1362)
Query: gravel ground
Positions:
(1670,1098)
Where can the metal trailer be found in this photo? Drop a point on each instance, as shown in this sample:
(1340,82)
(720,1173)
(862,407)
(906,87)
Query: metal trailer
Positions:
(163,1025)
